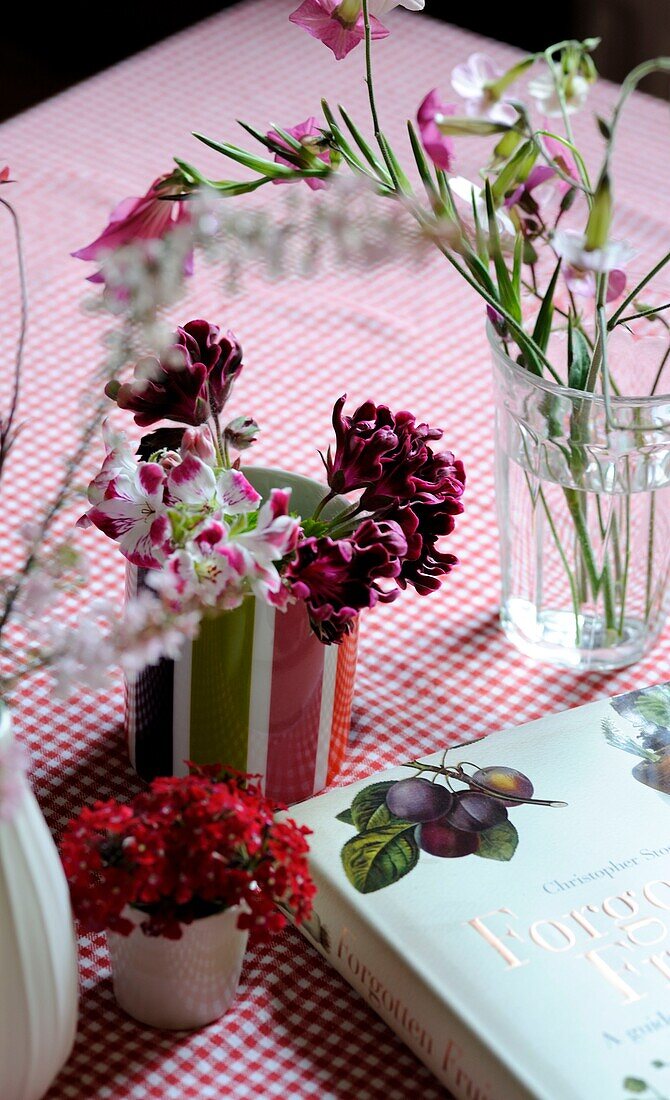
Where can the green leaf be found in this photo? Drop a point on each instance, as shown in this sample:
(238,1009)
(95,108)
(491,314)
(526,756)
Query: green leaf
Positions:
(579,358)
(342,144)
(424,167)
(362,144)
(499,843)
(654,705)
(635,1084)
(509,301)
(513,74)
(515,170)
(374,860)
(542,330)
(258,164)
(346,816)
(402,179)
(368,801)
(516,269)
(604,127)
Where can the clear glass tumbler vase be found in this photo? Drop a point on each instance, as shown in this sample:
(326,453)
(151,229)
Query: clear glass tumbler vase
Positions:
(583,500)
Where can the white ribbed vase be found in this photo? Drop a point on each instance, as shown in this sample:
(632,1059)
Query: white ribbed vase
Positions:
(38,952)
(178,984)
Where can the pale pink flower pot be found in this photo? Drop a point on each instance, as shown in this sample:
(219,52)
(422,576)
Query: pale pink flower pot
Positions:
(181,984)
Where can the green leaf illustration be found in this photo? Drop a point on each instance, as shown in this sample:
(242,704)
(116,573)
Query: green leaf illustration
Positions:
(654,705)
(378,858)
(367,802)
(635,1084)
(346,816)
(382,816)
(499,843)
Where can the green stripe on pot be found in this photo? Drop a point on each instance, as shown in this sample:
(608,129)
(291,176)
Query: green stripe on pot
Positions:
(221,688)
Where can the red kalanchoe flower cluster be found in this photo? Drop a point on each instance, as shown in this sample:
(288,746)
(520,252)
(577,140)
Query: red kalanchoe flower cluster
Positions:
(184,849)
(338,578)
(192,380)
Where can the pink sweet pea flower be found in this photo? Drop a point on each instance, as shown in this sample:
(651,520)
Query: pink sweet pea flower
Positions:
(440,147)
(310,137)
(339,26)
(583,283)
(149,218)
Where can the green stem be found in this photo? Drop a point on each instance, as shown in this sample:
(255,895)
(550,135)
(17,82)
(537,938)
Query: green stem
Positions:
(596,579)
(636,290)
(649,587)
(220,444)
(623,590)
(381,141)
(322,504)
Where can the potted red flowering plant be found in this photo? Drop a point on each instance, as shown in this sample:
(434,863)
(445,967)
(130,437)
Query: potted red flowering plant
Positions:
(276,566)
(179,878)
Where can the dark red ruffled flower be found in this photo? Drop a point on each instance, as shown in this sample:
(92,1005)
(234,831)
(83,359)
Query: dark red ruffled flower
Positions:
(423,524)
(191,380)
(361,440)
(338,578)
(384,453)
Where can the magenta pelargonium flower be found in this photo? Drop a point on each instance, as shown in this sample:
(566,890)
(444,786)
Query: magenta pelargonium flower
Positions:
(309,134)
(127,503)
(219,566)
(188,383)
(339,25)
(440,147)
(147,218)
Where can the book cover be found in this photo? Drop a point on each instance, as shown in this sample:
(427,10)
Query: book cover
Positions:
(505,905)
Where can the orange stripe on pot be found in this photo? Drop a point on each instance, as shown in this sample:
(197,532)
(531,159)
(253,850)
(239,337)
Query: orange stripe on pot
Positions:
(344,696)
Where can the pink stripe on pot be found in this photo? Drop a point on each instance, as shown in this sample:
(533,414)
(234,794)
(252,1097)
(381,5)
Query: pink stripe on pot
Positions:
(295,707)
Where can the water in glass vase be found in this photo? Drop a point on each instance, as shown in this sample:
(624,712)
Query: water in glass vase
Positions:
(584,573)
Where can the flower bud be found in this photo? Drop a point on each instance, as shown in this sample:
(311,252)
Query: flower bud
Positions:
(598,225)
(241,433)
(199,442)
(463,124)
(348,11)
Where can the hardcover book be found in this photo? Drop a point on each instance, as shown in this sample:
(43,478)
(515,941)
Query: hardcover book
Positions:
(505,905)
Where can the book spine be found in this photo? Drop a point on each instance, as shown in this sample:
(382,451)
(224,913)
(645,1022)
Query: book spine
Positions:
(426,1024)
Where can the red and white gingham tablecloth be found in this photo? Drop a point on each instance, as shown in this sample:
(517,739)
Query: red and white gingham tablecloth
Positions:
(432,670)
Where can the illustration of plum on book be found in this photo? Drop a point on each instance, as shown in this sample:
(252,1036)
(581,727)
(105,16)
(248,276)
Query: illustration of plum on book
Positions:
(648,713)
(453,813)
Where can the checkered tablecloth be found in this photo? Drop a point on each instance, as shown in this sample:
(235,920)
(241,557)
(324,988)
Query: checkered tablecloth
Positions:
(432,670)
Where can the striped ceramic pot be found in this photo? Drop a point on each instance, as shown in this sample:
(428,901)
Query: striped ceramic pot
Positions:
(256,690)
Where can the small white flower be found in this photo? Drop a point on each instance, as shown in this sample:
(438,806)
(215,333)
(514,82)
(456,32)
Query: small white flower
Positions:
(147,632)
(571,247)
(543,90)
(464,189)
(473,80)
